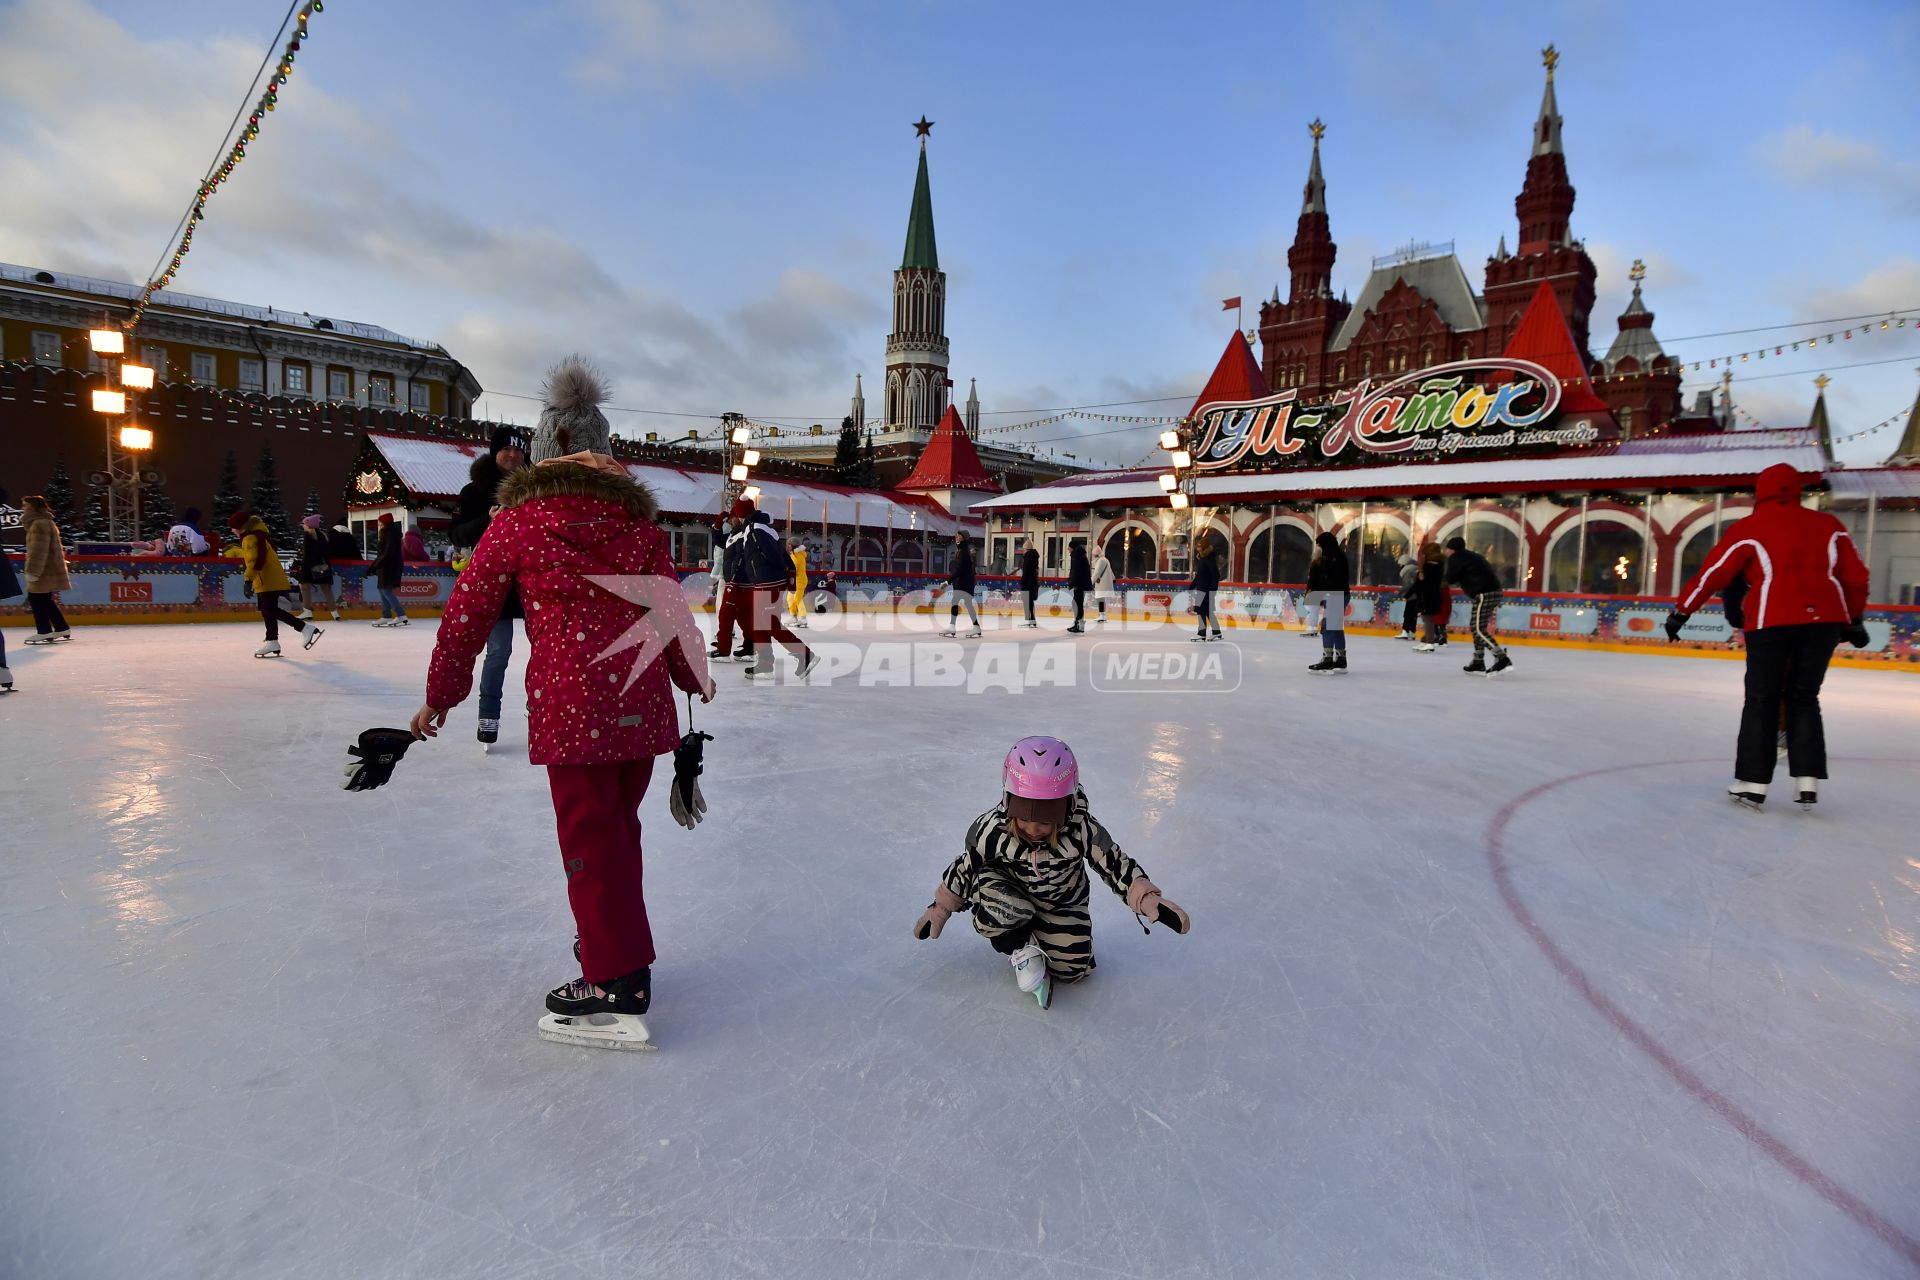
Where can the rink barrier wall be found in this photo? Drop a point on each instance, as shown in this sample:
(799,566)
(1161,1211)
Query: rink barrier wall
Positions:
(148,589)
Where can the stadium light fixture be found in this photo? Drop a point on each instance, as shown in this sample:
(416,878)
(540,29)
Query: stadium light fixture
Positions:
(137,377)
(136,439)
(109,402)
(107,342)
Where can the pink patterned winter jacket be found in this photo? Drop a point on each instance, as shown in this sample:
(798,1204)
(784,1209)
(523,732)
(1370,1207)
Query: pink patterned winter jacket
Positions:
(603,652)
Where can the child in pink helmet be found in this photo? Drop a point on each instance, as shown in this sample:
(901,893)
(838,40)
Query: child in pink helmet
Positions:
(1023,873)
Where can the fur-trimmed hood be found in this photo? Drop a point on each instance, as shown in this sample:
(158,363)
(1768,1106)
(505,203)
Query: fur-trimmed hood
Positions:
(571,480)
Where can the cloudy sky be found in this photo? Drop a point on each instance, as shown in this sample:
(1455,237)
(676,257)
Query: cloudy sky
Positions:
(709,195)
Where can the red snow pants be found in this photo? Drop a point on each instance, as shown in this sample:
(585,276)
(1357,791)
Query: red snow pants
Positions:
(764,624)
(723,624)
(597,810)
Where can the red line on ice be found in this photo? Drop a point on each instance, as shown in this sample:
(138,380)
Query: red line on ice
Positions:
(1748,1127)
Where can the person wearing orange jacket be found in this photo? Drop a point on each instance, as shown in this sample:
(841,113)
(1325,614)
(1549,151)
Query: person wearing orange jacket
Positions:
(1807,591)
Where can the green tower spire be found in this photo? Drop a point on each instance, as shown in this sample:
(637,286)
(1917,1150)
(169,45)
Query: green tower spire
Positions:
(920,250)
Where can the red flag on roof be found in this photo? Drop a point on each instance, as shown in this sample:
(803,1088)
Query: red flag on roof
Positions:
(1231,304)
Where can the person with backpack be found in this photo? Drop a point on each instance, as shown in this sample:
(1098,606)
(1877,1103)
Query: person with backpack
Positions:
(1470,571)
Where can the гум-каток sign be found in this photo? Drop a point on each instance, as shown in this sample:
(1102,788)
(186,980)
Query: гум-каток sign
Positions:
(1441,409)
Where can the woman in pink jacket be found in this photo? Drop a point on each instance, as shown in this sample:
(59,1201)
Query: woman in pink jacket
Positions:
(612,636)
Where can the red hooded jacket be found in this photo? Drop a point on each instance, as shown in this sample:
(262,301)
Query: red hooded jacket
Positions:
(1800,565)
(598,687)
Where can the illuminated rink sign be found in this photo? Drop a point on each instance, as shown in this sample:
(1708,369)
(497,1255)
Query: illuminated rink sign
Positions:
(1438,410)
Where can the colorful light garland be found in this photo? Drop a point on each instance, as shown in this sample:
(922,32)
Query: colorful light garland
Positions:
(268,101)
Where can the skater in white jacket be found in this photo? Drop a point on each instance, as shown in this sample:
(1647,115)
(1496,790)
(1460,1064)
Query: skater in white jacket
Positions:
(1102,583)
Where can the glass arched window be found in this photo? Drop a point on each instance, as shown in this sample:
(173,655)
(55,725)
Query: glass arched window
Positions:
(1132,553)
(1279,553)
(1613,561)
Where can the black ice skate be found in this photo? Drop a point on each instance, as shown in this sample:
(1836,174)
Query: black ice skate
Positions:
(1808,790)
(1339,663)
(607,1016)
(1500,663)
(1477,667)
(1326,663)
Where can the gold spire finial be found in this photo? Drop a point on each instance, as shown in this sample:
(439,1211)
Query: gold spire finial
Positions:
(1318,130)
(1639,271)
(1551,57)
(1821,382)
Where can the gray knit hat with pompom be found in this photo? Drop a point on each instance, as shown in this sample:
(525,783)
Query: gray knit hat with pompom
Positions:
(571,420)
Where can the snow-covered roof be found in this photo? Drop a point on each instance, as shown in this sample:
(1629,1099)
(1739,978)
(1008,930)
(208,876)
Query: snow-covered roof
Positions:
(432,468)
(1658,458)
(1875,482)
(211,306)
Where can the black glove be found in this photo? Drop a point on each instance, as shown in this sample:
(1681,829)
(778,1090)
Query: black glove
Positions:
(1735,614)
(246,589)
(1856,634)
(1675,621)
(377,752)
(684,801)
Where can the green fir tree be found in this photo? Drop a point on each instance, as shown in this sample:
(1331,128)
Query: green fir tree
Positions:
(846,452)
(265,501)
(226,494)
(313,501)
(156,511)
(59,493)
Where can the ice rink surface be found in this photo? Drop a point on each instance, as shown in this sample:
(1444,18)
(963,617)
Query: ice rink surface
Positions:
(1486,979)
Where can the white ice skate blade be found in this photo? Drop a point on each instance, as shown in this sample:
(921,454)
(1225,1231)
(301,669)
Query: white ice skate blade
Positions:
(619,1031)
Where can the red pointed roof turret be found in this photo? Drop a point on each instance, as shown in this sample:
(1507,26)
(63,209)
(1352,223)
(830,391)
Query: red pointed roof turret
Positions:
(1543,338)
(949,461)
(1236,377)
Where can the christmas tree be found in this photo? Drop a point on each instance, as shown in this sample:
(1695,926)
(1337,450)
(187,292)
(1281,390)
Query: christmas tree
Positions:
(313,501)
(265,501)
(91,523)
(59,493)
(226,495)
(846,452)
(156,511)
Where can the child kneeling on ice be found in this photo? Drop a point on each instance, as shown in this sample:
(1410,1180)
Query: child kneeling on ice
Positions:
(1023,872)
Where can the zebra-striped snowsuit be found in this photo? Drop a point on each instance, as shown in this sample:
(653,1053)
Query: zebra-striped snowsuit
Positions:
(1015,888)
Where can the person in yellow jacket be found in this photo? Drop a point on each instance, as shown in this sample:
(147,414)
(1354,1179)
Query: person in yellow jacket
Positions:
(267,581)
(797,602)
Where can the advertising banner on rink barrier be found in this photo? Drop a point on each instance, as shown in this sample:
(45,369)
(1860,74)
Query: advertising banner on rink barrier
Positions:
(185,589)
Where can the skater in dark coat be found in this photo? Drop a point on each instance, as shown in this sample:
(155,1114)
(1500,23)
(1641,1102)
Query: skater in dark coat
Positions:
(763,571)
(1432,598)
(506,454)
(1470,571)
(385,568)
(1203,584)
(9,588)
(1329,577)
(313,569)
(1807,592)
(962,582)
(1080,582)
(1409,595)
(1030,580)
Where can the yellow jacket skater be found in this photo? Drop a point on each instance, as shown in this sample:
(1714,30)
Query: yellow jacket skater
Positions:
(797,602)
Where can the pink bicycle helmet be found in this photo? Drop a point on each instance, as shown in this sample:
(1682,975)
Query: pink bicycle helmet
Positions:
(1039,777)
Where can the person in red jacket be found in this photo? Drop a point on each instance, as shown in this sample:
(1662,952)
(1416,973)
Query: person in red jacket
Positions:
(1806,590)
(612,636)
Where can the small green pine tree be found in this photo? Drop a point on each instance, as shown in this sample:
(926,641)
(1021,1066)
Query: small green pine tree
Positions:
(226,494)
(91,523)
(846,452)
(869,475)
(313,501)
(265,500)
(156,511)
(59,493)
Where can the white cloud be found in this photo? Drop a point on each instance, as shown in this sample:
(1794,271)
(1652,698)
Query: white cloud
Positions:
(1893,285)
(1807,157)
(639,39)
